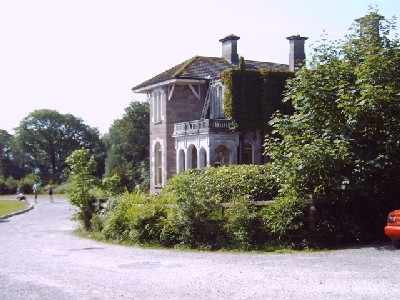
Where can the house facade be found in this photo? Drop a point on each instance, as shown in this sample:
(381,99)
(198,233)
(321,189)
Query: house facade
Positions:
(188,126)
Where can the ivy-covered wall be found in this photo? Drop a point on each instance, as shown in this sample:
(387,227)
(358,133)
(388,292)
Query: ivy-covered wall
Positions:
(252,96)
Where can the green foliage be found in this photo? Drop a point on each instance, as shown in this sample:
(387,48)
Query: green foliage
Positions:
(251,97)
(45,138)
(10,164)
(26,183)
(196,222)
(136,218)
(8,185)
(284,220)
(342,141)
(242,65)
(12,186)
(127,146)
(81,181)
(198,219)
(244,225)
(188,213)
(112,185)
(254,182)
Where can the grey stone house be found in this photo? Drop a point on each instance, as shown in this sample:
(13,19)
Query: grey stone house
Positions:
(188,127)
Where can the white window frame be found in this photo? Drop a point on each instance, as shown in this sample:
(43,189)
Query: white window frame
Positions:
(158,163)
(157,105)
(217,101)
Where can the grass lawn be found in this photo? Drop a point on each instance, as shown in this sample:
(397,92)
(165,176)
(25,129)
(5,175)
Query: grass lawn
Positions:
(10,206)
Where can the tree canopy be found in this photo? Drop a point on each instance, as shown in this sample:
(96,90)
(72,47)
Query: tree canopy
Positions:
(46,138)
(342,142)
(127,144)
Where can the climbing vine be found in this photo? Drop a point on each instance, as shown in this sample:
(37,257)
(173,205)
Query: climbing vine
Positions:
(252,96)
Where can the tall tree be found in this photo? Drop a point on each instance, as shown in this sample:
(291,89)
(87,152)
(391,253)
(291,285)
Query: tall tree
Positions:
(10,164)
(47,138)
(127,146)
(342,142)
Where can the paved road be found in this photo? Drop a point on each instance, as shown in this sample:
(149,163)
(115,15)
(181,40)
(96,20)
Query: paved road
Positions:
(41,258)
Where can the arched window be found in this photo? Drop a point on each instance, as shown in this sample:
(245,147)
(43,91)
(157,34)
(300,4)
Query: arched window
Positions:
(157,165)
(248,154)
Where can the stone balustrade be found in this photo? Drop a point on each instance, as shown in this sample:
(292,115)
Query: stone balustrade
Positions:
(201,126)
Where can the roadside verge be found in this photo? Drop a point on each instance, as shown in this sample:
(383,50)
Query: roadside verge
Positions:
(17,212)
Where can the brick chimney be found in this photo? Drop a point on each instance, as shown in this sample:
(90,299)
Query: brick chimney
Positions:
(229,48)
(296,55)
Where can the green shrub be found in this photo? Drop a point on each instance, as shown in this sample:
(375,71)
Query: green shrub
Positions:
(81,181)
(284,220)
(135,218)
(26,183)
(199,222)
(4,190)
(244,226)
(8,186)
(190,212)
(255,182)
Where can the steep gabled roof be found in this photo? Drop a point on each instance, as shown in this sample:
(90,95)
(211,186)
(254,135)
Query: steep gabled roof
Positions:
(202,67)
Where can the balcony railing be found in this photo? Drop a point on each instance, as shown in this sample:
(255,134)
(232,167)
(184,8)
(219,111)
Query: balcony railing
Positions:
(201,126)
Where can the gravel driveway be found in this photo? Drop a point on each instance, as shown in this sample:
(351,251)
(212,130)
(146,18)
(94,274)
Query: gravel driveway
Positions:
(41,258)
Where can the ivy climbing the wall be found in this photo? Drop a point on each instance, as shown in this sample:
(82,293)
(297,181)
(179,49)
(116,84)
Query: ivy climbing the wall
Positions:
(252,96)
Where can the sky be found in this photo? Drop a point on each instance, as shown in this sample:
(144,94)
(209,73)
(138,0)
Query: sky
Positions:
(82,57)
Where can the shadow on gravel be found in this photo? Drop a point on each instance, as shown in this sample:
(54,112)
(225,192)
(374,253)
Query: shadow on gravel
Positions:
(386,247)
(380,246)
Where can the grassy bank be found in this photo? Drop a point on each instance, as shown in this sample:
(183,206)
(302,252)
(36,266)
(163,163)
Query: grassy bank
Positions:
(10,206)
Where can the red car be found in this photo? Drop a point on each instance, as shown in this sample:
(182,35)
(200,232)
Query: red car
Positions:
(392,228)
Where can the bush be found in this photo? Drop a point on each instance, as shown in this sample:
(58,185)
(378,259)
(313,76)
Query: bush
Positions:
(8,186)
(190,212)
(244,226)
(26,183)
(284,221)
(135,218)
(197,222)
(255,182)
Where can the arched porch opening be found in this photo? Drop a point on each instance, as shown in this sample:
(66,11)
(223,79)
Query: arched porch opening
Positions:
(191,157)
(222,156)
(181,161)
(202,158)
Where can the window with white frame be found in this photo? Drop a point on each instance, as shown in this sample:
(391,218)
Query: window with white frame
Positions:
(217,102)
(157,106)
(157,165)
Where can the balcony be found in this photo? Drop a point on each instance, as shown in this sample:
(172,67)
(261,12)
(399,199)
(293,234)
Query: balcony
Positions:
(202,126)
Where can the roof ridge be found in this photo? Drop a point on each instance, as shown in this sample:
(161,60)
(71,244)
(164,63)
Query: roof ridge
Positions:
(185,65)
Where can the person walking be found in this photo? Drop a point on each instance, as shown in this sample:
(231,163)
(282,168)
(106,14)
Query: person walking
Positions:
(35,191)
(50,190)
